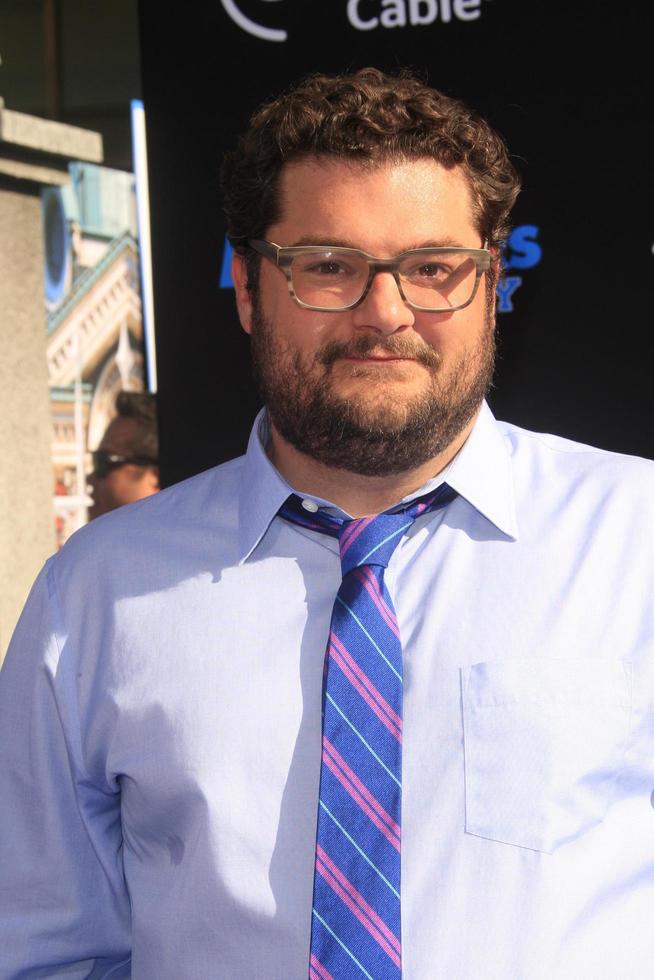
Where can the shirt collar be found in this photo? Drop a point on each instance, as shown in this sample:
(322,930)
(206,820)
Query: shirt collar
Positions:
(263,490)
(480,473)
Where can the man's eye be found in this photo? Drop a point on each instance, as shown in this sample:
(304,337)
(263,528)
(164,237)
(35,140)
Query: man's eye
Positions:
(330,268)
(431,270)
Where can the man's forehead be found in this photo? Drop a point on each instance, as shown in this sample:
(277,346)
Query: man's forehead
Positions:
(322,167)
(317,192)
(118,434)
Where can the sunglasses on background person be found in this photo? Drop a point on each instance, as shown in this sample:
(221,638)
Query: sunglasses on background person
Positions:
(104,461)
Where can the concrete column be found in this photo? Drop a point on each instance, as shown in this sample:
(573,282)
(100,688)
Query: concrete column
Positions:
(33,153)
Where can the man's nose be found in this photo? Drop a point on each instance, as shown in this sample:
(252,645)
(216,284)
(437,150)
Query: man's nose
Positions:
(383,309)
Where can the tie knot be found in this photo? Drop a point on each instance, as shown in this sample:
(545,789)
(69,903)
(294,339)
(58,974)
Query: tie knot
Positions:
(372,540)
(366,540)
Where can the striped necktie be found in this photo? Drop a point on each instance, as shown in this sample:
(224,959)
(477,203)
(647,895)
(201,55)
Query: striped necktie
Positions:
(355,930)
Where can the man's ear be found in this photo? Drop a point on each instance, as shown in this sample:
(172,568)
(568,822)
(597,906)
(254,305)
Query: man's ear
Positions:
(147,478)
(243,295)
(496,272)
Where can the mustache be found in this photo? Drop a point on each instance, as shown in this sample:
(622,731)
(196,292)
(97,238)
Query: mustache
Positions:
(366,346)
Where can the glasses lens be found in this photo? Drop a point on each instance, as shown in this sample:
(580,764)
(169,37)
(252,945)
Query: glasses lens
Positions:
(100,461)
(438,281)
(104,461)
(332,279)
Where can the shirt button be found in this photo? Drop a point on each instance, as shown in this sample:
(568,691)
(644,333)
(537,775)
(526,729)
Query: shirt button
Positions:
(310,505)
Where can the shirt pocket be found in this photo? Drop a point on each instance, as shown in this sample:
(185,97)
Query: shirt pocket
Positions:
(544,741)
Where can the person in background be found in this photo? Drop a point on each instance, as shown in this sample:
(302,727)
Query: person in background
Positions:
(126,463)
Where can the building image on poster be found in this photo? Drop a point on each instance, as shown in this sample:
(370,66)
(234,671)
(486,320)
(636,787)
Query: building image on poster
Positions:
(94,322)
(71,306)
(69,73)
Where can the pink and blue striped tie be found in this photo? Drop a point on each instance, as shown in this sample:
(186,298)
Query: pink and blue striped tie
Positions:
(356,927)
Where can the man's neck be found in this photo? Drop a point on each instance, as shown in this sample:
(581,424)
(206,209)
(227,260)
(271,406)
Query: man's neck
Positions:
(355,493)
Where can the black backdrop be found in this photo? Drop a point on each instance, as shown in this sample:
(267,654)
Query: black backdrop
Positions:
(570,87)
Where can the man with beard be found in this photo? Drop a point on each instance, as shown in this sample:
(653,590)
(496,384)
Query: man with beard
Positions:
(460,787)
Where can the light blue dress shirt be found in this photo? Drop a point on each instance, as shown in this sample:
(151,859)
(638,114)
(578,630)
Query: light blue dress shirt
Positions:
(160,729)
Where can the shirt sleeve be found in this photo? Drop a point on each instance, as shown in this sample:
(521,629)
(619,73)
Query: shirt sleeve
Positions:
(64,907)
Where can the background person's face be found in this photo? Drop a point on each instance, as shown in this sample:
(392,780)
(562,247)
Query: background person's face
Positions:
(380,388)
(125,483)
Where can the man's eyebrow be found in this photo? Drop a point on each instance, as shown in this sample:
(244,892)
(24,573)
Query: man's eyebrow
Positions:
(326,242)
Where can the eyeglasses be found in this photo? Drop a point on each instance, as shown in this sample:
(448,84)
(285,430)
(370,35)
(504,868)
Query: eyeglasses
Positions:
(104,461)
(435,280)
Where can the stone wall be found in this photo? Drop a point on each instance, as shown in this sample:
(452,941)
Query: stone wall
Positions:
(33,153)
(26,519)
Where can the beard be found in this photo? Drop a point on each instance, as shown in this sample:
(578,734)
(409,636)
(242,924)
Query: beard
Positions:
(370,436)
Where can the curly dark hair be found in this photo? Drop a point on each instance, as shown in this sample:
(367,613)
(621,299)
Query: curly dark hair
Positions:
(142,407)
(368,117)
